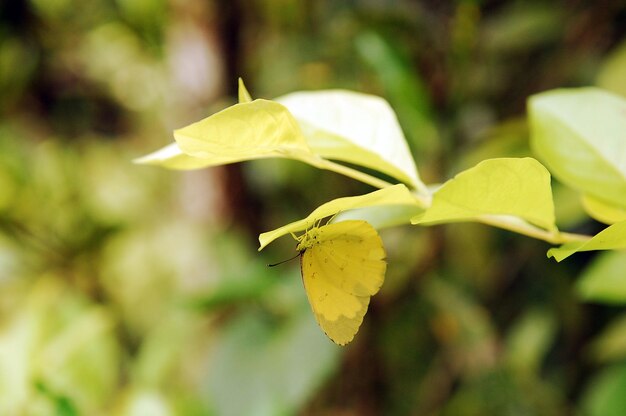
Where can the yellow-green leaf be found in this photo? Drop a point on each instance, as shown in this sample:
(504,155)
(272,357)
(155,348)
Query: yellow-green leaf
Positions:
(382,216)
(391,196)
(611,238)
(246,131)
(508,186)
(580,134)
(172,157)
(253,130)
(244,95)
(603,211)
(357,128)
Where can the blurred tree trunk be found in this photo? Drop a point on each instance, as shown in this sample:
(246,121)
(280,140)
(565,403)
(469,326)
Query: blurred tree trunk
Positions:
(242,204)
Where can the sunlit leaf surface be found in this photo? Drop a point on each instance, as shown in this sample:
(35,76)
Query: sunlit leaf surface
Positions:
(580,134)
(603,211)
(611,238)
(391,196)
(356,128)
(516,187)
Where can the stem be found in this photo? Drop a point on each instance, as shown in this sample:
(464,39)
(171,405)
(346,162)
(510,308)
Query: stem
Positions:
(423,199)
(354,174)
(553,237)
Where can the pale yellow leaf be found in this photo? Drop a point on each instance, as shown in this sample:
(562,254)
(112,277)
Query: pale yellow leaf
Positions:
(253,130)
(517,187)
(172,157)
(391,196)
(603,211)
(244,95)
(611,238)
(357,128)
(580,134)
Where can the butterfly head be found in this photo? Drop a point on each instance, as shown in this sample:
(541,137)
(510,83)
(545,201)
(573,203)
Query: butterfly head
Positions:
(308,239)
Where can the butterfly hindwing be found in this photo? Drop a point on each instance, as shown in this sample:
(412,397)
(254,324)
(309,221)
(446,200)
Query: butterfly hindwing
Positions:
(343,265)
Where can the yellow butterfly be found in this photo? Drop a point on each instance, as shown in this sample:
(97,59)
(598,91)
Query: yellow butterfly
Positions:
(343,265)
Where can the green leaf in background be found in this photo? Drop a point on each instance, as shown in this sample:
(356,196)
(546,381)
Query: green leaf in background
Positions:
(356,128)
(604,280)
(610,344)
(611,74)
(611,238)
(405,89)
(391,196)
(518,27)
(581,136)
(508,186)
(605,393)
(603,212)
(529,341)
(462,326)
(62,343)
(261,368)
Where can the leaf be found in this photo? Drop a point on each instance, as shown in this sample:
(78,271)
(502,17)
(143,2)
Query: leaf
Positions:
(404,88)
(521,27)
(603,211)
(611,73)
(246,131)
(508,186)
(581,136)
(605,393)
(244,95)
(172,157)
(391,196)
(269,367)
(264,129)
(382,216)
(462,326)
(610,344)
(611,238)
(357,128)
(604,280)
(529,341)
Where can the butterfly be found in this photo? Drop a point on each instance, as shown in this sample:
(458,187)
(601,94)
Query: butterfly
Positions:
(343,265)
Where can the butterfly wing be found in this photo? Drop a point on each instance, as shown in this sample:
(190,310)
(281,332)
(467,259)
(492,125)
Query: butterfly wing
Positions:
(340,273)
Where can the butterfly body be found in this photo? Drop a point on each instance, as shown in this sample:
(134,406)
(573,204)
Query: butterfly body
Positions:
(343,265)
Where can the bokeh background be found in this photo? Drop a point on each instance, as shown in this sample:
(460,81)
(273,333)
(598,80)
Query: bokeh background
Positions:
(132,290)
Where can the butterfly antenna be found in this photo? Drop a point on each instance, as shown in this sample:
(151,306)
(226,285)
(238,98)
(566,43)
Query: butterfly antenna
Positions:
(330,220)
(284,261)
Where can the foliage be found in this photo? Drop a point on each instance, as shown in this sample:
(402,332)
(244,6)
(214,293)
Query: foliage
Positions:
(511,193)
(128,290)
(580,133)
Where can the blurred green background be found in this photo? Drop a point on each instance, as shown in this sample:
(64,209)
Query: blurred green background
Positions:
(131,290)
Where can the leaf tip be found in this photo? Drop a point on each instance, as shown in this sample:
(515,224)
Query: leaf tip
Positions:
(244,95)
